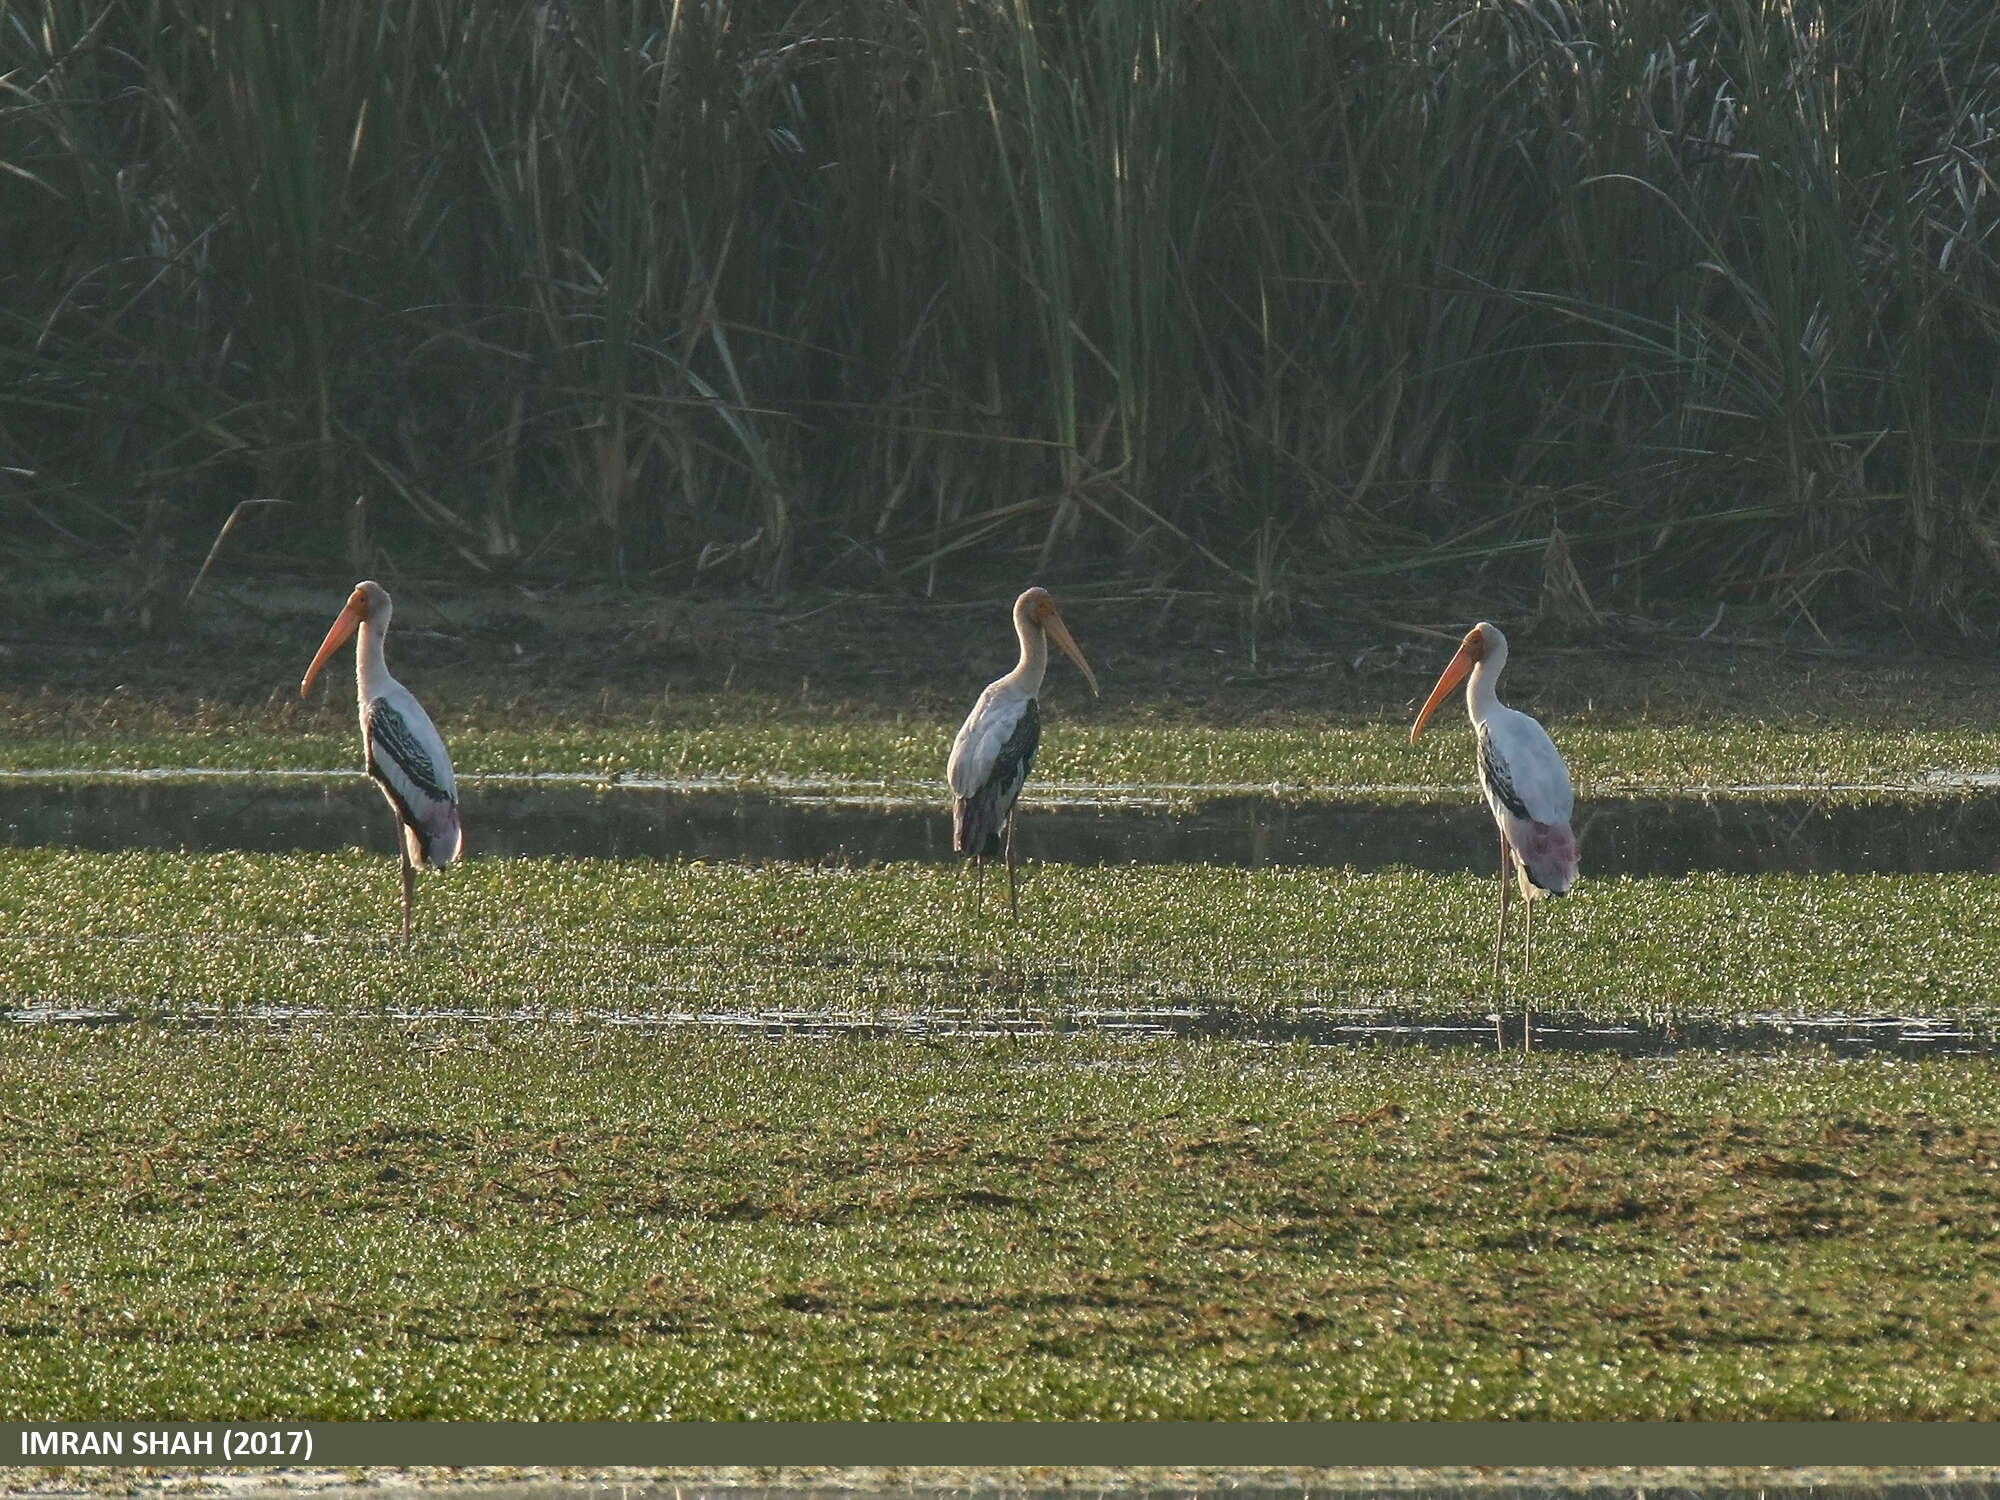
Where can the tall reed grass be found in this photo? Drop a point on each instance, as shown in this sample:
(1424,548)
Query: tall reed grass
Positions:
(1241,292)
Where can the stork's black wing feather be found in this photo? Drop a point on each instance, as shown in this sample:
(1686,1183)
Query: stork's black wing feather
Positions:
(978,821)
(390,737)
(399,764)
(1493,771)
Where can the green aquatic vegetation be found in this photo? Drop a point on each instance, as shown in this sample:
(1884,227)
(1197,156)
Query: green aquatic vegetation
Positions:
(822,707)
(369,1220)
(159,934)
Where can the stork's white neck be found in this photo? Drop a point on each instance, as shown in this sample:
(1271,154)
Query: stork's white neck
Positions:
(1482,688)
(371,671)
(1026,678)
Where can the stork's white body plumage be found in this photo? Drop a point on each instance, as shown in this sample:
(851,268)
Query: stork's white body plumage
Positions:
(407,758)
(995,721)
(995,747)
(1526,784)
(1527,789)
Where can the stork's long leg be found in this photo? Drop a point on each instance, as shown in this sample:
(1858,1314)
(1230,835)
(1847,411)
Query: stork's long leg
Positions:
(1527,952)
(1013,901)
(1500,935)
(978,883)
(1527,1005)
(409,891)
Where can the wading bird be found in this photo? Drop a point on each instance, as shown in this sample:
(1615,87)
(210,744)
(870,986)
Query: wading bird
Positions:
(996,745)
(1525,781)
(406,755)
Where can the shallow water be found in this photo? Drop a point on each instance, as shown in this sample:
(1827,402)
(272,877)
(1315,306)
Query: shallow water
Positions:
(1621,836)
(1907,1037)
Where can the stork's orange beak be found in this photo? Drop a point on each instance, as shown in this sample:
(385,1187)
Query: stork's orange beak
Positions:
(344,625)
(1455,672)
(1059,633)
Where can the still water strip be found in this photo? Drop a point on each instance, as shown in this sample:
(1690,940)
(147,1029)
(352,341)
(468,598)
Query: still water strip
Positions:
(1629,836)
(1828,1037)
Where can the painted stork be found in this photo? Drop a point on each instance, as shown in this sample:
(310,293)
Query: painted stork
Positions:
(1525,781)
(406,755)
(996,745)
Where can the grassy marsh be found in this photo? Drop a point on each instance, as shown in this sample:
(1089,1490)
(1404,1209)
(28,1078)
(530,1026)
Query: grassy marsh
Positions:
(346,1191)
(868,692)
(391,1221)
(165,934)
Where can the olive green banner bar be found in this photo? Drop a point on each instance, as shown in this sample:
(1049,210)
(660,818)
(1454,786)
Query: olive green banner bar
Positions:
(1000,1444)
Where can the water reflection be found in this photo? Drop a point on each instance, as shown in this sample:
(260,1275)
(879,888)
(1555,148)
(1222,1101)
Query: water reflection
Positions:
(1909,1037)
(1638,837)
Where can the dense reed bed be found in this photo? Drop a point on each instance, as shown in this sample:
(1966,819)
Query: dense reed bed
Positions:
(1251,294)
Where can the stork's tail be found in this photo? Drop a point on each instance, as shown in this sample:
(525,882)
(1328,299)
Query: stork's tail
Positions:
(1545,858)
(974,829)
(437,839)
